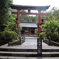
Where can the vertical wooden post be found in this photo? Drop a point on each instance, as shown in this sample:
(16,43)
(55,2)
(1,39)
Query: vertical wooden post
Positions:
(18,16)
(39,22)
(18,20)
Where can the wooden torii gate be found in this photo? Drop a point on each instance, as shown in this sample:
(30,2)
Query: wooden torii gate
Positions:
(39,8)
(20,7)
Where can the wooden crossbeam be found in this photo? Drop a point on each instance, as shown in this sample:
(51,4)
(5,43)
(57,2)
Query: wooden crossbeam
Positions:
(29,13)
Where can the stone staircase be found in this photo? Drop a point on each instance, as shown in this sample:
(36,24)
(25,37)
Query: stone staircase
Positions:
(28,53)
(50,53)
(18,52)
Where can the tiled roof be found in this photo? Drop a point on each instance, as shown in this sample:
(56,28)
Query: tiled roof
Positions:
(27,7)
(34,25)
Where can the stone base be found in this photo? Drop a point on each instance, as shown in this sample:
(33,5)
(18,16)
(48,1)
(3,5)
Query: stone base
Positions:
(50,42)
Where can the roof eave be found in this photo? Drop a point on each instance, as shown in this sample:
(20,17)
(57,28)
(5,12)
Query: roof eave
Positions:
(27,7)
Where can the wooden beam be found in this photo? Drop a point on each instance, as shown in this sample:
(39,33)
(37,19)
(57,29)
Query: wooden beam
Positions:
(29,13)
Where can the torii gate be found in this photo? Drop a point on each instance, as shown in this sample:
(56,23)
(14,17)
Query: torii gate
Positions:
(38,8)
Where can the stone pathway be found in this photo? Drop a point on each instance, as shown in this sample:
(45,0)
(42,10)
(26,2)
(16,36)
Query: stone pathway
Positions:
(30,43)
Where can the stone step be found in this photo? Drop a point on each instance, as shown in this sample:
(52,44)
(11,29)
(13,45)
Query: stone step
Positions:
(18,50)
(28,50)
(8,57)
(50,54)
(18,54)
(50,50)
(29,54)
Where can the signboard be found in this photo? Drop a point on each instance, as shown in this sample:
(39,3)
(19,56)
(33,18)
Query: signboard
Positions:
(39,47)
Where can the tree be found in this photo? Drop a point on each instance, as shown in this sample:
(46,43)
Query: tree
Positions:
(10,22)
(4,8)
(51,25)
(5,16)
(54,12)
(27,18)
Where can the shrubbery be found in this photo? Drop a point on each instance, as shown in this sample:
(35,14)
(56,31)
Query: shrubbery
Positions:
(8,35)
(42,35)
(53,36)
(51,28)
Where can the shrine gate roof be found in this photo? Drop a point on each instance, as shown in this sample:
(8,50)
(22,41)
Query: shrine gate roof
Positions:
(19,7)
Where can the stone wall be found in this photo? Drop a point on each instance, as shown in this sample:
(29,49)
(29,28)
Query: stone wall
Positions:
(50,42)
(17,42)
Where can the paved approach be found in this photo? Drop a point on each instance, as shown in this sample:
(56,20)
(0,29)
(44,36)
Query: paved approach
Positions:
(30,43)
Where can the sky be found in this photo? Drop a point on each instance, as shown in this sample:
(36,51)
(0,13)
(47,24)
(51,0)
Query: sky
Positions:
(52,3)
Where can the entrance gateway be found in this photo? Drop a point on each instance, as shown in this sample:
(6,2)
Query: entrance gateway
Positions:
(21,7)
(39,9)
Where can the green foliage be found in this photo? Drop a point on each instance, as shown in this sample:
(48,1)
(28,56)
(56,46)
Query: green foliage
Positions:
(27,18)
(11,1)
(8,35)
(42,35)
(51,25)
(53,36)
(10,23)
(20,28)
(4,8)
(54,12)
(4,11)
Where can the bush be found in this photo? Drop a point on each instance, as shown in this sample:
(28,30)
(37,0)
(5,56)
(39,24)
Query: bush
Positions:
(6,36)
(42,35)
(9,35)
(51,25)
(53,36)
